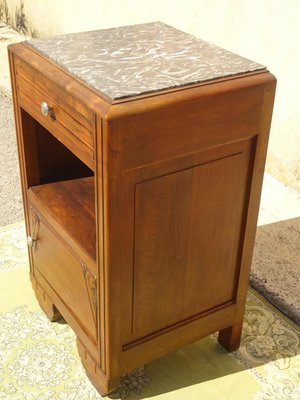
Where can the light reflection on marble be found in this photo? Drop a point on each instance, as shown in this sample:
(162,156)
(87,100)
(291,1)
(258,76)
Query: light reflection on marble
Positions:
(138,59)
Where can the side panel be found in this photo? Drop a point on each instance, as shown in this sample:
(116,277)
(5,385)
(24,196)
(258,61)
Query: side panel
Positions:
(183,176)
(187,240)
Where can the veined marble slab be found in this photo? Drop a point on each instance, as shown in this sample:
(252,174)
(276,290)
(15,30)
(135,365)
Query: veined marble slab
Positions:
(138,59)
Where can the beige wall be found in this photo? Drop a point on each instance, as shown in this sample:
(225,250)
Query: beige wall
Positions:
(267,31)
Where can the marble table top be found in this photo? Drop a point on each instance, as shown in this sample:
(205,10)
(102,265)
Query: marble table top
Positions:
(139,59)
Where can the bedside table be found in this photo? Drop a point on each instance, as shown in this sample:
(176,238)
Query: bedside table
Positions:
(142,152)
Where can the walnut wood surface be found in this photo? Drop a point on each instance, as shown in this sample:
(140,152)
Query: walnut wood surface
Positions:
(72,203)
(67,275)
(179,224)
(63,125)
(40,165)
(146,232)
(45,302)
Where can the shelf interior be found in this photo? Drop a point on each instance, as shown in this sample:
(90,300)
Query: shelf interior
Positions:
(72,203)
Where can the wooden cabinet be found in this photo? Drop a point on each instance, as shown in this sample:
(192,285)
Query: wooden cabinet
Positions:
(141,197)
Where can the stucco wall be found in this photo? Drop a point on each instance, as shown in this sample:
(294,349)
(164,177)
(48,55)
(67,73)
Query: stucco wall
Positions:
(266,31)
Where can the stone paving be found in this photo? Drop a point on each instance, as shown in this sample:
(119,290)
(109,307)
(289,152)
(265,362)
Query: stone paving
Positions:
(11,209)
(7,36)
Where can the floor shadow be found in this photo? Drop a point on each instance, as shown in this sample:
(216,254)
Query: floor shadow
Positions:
(200,362)
(267,337)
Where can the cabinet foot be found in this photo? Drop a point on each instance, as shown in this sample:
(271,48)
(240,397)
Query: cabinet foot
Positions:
(230,338)
(45,302)
(99,379)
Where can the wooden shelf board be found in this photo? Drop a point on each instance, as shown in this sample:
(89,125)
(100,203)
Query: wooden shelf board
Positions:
(72,203)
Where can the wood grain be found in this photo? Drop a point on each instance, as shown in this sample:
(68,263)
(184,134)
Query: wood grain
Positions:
(72,203)
(147,209)
(179,223)
(65,274)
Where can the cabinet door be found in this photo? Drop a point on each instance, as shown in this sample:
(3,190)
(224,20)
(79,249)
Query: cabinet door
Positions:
(65,273)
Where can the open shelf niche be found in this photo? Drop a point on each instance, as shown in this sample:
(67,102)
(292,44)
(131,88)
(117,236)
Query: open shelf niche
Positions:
(61,183)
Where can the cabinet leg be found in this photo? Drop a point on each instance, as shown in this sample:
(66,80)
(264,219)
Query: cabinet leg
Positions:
(99,379)
(45,302)
(230,338)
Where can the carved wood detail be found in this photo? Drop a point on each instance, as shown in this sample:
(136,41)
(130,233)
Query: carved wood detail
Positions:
(91,287)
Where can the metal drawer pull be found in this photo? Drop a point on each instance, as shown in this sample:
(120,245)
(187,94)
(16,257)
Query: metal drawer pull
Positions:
(45,108)
(30,241)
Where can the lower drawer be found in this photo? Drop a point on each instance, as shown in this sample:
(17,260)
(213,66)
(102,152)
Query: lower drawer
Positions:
(72,281)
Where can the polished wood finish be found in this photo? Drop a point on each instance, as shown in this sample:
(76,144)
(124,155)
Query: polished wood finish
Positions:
(180,217)
(67,275)
(45,302)
(142,211)
(72,203)
(65,123)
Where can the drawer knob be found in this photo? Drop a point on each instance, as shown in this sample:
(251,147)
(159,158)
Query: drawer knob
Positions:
(30,241)
(45,108)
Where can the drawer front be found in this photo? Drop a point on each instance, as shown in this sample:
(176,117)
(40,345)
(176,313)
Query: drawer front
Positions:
(72,281)
(72,124)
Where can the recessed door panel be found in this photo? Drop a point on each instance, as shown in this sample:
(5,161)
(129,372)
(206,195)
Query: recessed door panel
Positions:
(187,241)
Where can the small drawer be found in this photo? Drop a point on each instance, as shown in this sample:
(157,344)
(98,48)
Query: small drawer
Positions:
(70,122)
(69,277)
